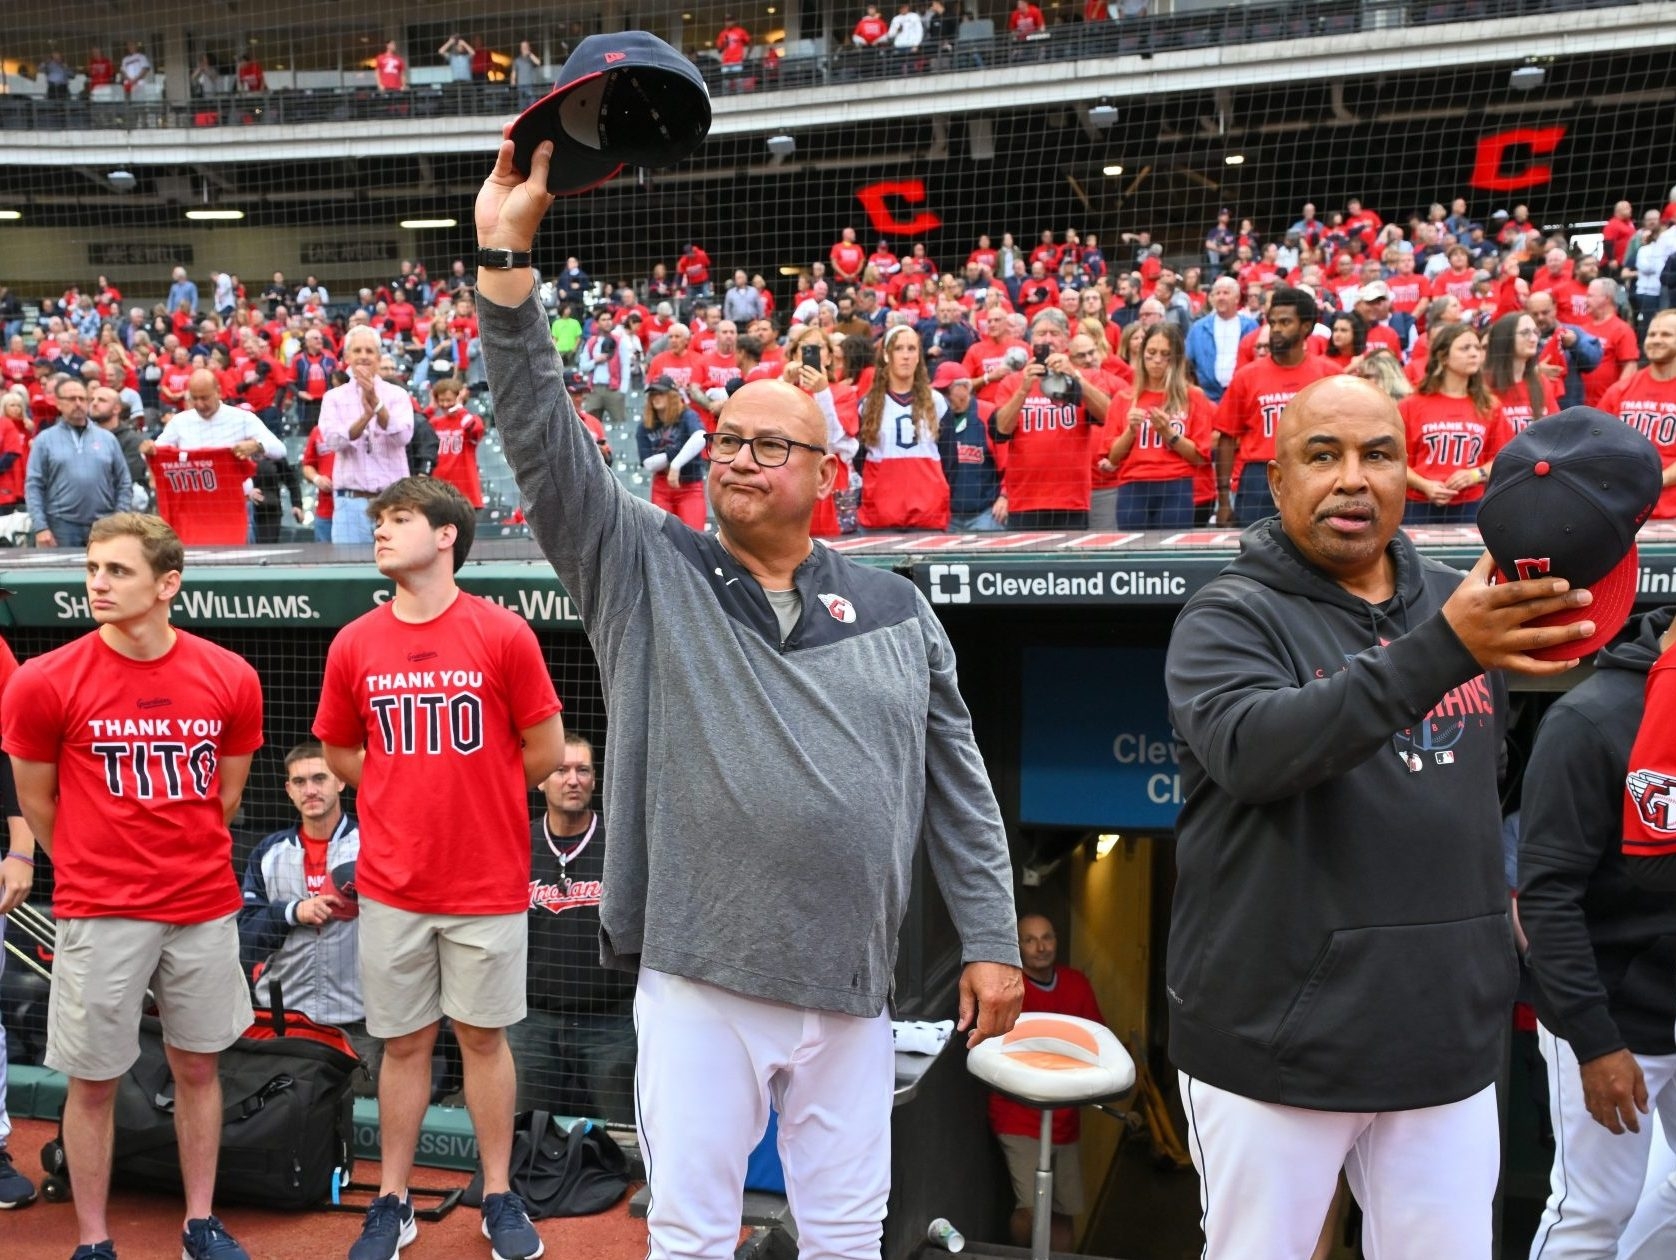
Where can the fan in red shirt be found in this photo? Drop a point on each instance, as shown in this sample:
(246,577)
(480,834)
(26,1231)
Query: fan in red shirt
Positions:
(1046,253)
(679,363)
(101,70)
(1618,232)
(882,261)
(985,255)
(848,259)
(1250,409)
(986,363)
(733,42)
(317,471)
(1362,223)
(1165,439)
(1046,415)
(693,269)
(1455,427)
(1458,279)
(1059,990)
(839,404)
(458,431)
(131,746)
(871,30)
(1409,288)
(1555,278)
(1618,350)
(389,69)
(1025,20)
(1513,371)
(438,708)
(1647,402)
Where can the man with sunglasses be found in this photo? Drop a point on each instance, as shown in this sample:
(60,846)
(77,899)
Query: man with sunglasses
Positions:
(725,657)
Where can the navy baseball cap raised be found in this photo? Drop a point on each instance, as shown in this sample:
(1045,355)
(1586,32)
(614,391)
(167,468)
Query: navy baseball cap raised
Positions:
(626,98)
(1566,498)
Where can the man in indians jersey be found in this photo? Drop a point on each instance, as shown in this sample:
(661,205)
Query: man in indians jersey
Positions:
(131,746)
(575,1049)
(1250,410)
(1045,414)
(438,709)
(733,42)
(1647,402)
(389,69)
(1049,987)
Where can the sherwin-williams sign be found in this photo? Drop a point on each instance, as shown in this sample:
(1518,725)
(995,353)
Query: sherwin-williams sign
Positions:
(1098,750)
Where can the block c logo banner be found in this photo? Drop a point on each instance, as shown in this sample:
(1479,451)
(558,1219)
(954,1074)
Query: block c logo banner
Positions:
(885,223)
(950,583)
(1488,171)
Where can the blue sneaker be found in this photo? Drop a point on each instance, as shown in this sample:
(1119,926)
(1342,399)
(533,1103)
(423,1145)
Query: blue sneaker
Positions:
(506,1224)
(205,1239)
(388,1228)
(16,1190)
(95,1251)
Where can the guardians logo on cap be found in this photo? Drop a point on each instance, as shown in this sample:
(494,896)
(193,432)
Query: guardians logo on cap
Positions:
(626,98)
(1565,500)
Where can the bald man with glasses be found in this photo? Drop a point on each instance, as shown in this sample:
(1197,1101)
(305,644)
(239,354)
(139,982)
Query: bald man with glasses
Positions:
(77,472)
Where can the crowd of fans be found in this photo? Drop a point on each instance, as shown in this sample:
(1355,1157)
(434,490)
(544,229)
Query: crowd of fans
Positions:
(1034,385)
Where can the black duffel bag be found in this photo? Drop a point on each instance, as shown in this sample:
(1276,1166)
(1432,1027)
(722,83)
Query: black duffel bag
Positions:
(287,1124)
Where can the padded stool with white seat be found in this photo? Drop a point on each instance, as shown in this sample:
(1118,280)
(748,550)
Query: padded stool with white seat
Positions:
(1052,1061)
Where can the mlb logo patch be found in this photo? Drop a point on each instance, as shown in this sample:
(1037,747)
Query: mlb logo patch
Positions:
(1445,758)
(840,608)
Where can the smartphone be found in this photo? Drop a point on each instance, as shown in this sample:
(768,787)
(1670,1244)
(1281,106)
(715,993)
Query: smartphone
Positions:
(1042,352)
(811,356)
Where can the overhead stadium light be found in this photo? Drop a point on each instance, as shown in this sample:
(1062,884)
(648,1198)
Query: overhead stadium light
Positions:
(1113,169)
(122,181)
(9,216)
(1103,115)
(214,216)
(415,225)
(1234,159)
(782,146)
(1525,78)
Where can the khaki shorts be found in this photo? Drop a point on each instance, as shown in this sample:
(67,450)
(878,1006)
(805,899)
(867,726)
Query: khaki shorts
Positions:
(101,969)
(416,968)
(1021,1153)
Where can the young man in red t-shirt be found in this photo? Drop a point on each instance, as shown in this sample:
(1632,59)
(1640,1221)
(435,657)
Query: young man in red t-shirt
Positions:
(1054,989)
(437,707)
(458,431)
(848,259)
(1647,403)
(131,746)
(1249,413)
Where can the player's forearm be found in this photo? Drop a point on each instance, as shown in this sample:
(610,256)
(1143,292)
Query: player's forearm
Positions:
(37,798)
(346,763)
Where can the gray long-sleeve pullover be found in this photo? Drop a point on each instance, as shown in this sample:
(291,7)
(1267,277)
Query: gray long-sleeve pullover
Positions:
(766,799)
(76,475)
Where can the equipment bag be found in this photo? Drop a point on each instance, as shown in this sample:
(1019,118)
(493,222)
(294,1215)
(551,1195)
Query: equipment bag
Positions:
(555,1173)
(287,1128)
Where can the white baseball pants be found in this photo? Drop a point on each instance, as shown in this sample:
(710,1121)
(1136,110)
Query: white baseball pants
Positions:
(1599,1176)
(1648,1235)
(709,1063)
(1425,1178)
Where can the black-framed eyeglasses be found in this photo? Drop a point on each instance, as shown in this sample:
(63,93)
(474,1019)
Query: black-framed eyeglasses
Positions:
(769,452)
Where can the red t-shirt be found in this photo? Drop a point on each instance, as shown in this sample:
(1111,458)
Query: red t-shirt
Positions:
(1151,458)
(848,260)
(440,706)
(389,68)
(1251,406)
(1446,435)
(732,43)
(100,71)
(1516,408)
(138,744)
(686,370)
(1617,235)
(1617,347)
(457,435)
(1069,994)
(1050,459)
(1455,284)
(12,442)
(871,29)
(1648,405)
(321,460)
(1022,23)
(1407,291)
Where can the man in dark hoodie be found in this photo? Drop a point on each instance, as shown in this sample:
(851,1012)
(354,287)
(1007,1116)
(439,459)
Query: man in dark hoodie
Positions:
(1602,953)
(1341,960)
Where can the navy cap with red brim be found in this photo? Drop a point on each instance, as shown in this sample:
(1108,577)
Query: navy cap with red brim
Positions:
(622,99)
